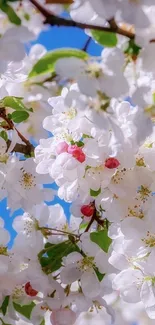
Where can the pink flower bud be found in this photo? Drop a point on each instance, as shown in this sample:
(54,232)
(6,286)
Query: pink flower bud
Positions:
(77,153)
(63,316)
(87,210)
(62,147)
(112,163)
(29,290)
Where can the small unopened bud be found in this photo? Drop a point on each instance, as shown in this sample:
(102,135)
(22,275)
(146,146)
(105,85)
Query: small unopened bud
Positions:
(77,153)
(87,210)
(62,147)
(112,163)
(29,290)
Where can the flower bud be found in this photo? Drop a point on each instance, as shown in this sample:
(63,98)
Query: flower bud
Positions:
(29,290)
(62,147)
(87,210)
(77,153)
(112,163)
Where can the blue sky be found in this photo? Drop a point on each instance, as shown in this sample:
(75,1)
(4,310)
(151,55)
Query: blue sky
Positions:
(55,37)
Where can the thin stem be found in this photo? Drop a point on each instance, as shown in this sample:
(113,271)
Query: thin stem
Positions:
(11,126)
(21,148)
(59,21)
(87,44)
(90,222)
(60,231)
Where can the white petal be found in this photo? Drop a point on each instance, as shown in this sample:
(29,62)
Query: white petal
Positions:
(90,284)
(88,246)
(70,274)
(101,261)
(4,237)
(69,67)
(147,294)
(72,258)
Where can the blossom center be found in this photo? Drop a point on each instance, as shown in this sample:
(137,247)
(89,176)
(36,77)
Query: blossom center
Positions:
(3,250)
(119,176)
(94,70)
(149,240)
(27,180)
(71,113)
(86,263)
(140,162)
(144,193)
(18,292)
(29,226)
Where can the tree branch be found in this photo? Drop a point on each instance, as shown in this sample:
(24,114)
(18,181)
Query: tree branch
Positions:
(21,148)
(59,21)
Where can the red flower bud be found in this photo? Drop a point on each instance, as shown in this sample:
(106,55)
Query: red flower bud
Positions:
(77,153)
(29,290)
(112,163)
(87,210)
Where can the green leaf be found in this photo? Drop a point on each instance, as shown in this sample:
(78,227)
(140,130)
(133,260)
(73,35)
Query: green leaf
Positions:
(14,102)
(12,16)
(100,276)
(4,135)
(79,143)
(55,253)
(95,193)
(83,226)
(24,310)
(101,239)
(86,136)
(19,116)
(107,39)
(47,63)
(133,49)
(4,305)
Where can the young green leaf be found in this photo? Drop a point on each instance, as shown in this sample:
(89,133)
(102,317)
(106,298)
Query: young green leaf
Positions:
(101,239)
(12,16)
(95,193)
(107,39)
(19,116)
(4,305)
(47,63)
(133,49)
(24,310)
(55,253)
(4,135)
(100,276)
(14,102)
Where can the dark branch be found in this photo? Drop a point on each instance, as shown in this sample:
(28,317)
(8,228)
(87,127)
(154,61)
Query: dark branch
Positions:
(54,20)
(21,148)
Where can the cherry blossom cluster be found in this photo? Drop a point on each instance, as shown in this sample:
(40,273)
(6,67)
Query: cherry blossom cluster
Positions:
(78,130)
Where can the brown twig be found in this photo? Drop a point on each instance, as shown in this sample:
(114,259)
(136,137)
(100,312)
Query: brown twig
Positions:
(59,21)
(91,221)
(21,148)
(28,147)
